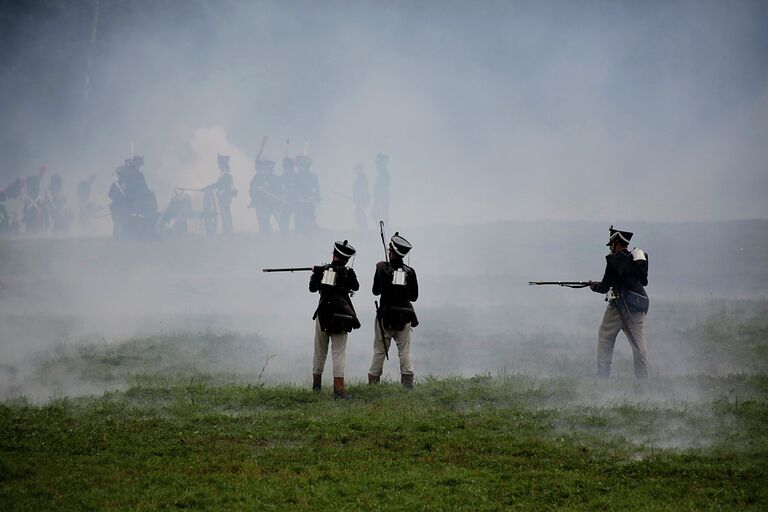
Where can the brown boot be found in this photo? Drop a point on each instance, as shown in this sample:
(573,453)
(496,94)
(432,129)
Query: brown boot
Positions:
(407,381)
(316,381)
(338,387)
(373,380)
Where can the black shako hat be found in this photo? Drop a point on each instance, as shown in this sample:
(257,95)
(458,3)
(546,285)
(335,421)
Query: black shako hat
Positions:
(400,245)
(623,236)
(343,250)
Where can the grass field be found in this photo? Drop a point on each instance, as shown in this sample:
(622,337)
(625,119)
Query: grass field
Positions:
(175,375)
(175,435)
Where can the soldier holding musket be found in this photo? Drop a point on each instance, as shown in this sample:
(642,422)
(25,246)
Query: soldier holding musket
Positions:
(335,316)
(625,275)
(395,317)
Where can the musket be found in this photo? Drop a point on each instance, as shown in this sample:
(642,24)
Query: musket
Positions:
(292,269)
(379,315)
(379,322)
(261,148)
(567,284)
(381,232)
(270,194)
(184,189)
(345,196)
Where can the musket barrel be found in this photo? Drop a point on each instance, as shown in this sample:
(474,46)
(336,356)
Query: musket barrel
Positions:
(293,269)
(570,284)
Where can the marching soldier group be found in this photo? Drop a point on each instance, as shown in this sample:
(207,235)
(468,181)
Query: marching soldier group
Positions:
(290,199)
(27,206)
(281,202)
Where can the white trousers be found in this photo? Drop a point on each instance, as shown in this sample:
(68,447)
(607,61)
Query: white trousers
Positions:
(338,351)
(402,339)
(606,339)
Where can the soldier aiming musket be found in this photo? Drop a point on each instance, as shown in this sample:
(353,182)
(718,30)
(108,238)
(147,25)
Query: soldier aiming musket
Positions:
(626,273)
(335,316)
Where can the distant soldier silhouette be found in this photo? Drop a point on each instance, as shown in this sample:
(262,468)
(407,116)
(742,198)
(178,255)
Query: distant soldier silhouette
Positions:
(224,191)
(381,187)
(360,196)
(626,273)
(35,214)
(61,215)
(308,196)
(397,284)
(290,194)
(335,316)
(134,205)
(5,216)
(15,204)
(266,194)
(118,207)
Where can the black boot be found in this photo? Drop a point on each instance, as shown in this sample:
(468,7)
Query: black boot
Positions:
(316,380)
(373,380)
(407,381)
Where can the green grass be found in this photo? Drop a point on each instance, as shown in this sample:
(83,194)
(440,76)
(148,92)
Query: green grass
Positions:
(188,424)
(461,444)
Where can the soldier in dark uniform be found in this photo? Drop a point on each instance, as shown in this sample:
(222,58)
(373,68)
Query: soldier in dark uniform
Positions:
(14,204)
(60,213)
(36,207)
(360,196)
(397,284)
(5,216)
(266,194)
(308,196)
(380,210)
(224,190)
(118,206)
(626,273)
(335,316)
(290,194)
(141,201)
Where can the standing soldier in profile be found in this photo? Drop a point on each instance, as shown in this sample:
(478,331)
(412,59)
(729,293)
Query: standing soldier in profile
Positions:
(360,196)
(395,317)
(308,196)
(290,194)
(380,208)
(118,207)
(224,190)
(37,210)
(335,316)
(5,216)
(14,204)
(266,196)
(626,273)
(61,215)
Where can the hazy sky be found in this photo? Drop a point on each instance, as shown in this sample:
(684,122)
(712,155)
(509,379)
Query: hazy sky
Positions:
(489,110)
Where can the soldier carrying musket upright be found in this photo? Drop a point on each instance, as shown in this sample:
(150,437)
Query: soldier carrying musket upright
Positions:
(397,284)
